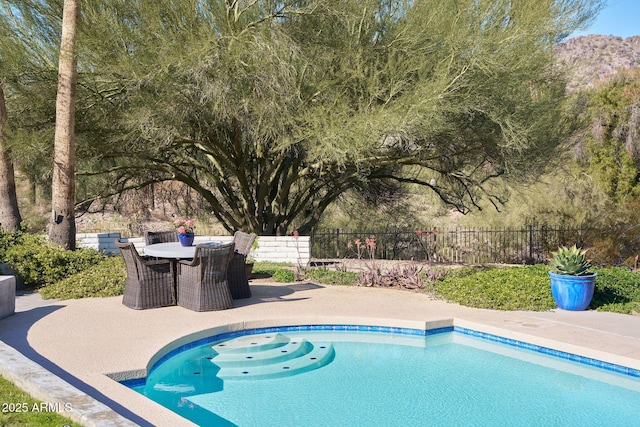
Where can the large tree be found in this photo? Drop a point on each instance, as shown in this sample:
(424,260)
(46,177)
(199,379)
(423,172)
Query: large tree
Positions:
(62,229)
(611,147)
(26,54)
(30,44)
(273,109)
(10,218)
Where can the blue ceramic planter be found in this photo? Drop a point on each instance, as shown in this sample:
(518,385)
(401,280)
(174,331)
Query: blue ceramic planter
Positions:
(186,239)
(572,292)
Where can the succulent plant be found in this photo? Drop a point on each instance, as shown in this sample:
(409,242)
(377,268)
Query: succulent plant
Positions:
(570,261)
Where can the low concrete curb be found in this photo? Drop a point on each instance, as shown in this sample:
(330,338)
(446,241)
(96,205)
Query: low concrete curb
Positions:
(56,394)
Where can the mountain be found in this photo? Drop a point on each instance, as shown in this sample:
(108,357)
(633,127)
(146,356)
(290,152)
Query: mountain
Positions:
(595,58)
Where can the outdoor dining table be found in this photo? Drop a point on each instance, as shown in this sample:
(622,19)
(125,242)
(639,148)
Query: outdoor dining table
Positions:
(173,250)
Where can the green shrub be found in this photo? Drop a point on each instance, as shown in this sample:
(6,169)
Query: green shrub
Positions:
(39,262)
(528,288)
(508,288)
(329,277)
(267,268)
(7,240)
(618,290)
(106,279)
(284,276)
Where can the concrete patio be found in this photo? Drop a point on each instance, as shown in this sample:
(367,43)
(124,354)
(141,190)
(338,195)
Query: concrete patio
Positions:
(81,341)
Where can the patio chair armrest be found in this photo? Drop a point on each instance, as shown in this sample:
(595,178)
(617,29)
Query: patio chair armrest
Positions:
(190,262)
(157,262)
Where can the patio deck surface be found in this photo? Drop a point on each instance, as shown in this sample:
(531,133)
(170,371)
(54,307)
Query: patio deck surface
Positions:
(81,341)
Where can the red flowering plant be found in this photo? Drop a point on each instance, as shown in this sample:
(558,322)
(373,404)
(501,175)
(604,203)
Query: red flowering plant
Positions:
(184,226)
(358,245)
(370,243)
(359,248)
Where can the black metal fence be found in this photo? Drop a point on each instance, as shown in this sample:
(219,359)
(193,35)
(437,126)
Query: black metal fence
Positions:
(528,245)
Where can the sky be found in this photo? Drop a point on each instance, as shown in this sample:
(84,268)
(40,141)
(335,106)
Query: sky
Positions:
(619,18)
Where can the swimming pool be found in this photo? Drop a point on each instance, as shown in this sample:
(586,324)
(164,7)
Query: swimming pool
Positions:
(352,375)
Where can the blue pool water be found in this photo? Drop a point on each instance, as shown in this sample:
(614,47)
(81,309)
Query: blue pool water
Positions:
(330,378)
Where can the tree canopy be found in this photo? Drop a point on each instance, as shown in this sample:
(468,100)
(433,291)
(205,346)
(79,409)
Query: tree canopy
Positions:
(612,147)
(273,109)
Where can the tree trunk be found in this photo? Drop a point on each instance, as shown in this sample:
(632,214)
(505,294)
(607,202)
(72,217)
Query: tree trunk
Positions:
(9,213)
(63,225)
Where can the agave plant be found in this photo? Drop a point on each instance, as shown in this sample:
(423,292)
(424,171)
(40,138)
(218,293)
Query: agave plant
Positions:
(570,261)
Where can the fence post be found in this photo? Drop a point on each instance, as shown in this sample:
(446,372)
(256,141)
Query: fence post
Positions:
(337,243)
(531,243)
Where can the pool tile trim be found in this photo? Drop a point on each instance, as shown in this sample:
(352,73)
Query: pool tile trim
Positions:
(583,360)
(612,367)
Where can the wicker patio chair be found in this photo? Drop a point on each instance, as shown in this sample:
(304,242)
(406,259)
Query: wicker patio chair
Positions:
(237,274)
(202,282)
(149,284)
(151,237)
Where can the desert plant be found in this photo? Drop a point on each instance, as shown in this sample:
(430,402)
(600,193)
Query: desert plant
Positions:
(433,274)
(372,276)
(407,276)
(570,261)
(357,247)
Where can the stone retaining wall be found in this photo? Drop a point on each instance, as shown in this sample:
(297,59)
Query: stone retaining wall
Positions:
(270,248)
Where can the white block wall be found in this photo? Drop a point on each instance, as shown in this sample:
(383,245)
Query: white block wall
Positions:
(284,249)
(270,248)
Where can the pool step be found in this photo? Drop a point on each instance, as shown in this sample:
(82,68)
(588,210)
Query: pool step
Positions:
(286,359)
(251,343)
(286,352)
